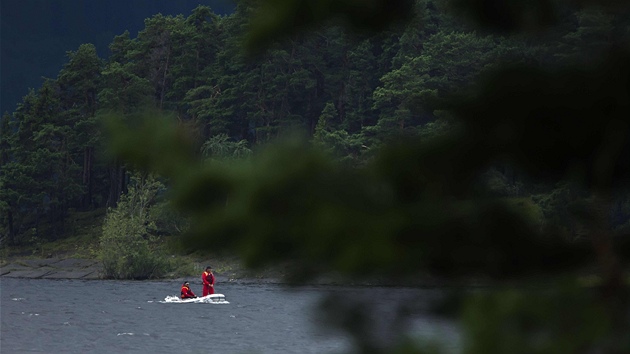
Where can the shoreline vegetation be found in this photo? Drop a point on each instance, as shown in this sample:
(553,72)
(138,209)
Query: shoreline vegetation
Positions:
(76,256)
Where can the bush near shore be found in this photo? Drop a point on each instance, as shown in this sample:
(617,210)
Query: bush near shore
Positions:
(83,241)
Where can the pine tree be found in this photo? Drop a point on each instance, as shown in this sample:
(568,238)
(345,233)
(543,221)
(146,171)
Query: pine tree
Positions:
(79,84)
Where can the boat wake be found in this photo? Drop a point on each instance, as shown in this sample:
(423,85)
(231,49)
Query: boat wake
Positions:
(209,299)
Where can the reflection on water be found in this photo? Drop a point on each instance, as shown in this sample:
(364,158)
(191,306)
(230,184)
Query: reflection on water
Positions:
(74,316)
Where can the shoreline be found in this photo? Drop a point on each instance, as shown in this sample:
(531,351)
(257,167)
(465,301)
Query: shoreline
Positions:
(226,272)
(91,269)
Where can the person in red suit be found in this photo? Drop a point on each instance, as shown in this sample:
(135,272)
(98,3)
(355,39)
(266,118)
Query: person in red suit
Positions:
(208,281)
(186,292)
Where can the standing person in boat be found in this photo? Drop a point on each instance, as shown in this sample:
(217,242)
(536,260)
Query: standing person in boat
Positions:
(186,292)
(208,281)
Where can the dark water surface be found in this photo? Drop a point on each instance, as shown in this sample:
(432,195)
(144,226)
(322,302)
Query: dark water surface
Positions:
(79,316)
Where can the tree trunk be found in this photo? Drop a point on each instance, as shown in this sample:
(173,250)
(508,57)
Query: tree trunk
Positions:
(613,291)
(163,91)
(88,157)
(612,273)
(11,230)
(117,184)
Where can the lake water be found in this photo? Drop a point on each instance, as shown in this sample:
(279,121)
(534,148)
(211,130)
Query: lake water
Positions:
(80,316)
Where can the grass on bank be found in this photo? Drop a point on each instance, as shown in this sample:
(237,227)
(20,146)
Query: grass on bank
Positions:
(81,240)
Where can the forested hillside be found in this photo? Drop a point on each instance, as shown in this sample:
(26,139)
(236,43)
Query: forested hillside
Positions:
(350,92)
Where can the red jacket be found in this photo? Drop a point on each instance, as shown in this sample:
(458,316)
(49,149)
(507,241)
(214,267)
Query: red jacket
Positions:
(208,283)
(207,278)
(187,293)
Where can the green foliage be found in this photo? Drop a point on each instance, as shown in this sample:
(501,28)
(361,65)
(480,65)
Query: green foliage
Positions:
(127,249)
(498,184)
(556,207)
(39,174)
(328,114)
(167,220)
(219,147)
(591,35)
(123,90)
(380,84)
(447,65)
(337,142)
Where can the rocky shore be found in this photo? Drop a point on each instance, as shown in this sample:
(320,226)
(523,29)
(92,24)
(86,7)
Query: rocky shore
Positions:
(52,268)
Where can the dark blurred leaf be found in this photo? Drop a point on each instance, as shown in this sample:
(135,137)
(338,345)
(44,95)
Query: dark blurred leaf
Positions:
(151,140)
(519,16)
(565,318)
(293,204)
(573,123)
(508,15)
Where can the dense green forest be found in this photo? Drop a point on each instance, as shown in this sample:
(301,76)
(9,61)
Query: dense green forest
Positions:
(461,139)
(350,92)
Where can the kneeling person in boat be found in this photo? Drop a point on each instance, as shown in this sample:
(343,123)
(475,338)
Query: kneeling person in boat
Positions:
(186,292)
